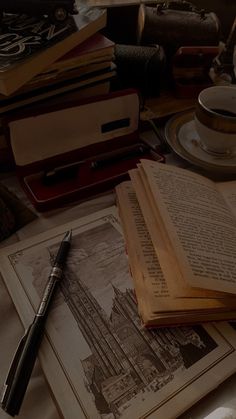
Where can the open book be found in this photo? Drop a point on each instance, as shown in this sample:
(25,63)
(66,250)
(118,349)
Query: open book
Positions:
(97,357)
(180,230)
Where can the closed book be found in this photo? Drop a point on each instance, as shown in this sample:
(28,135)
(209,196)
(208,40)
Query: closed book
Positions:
(89,76)
(96,46)
(97,51)
(28,45)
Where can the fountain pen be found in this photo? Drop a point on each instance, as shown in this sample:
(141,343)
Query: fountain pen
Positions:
(23,362)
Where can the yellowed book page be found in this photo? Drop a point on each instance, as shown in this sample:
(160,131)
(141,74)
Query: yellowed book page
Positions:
(149,281)
(183,288)
(160,248)
(178,286)
(148,278)
(199,222)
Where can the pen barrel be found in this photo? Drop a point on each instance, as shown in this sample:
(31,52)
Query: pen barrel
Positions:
(61,174)
(49,291)
(23,362)
(118,156)
(25,366)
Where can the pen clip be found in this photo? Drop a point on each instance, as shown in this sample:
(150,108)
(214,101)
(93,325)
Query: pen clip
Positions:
(12,370)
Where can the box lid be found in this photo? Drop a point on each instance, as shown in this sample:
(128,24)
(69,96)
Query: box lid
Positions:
(40,137)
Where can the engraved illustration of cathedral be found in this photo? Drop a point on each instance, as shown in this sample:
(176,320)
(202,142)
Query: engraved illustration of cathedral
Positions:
(126,361)
(126,358)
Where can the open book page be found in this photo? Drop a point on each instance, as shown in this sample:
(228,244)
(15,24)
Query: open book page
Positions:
(97,357)
(155,303)
(166,256)
(177,285)
(148,279)
(199,222)
(171,272)
(228,190)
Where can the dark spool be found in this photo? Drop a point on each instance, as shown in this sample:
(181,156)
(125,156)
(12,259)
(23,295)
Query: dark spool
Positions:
(140,67)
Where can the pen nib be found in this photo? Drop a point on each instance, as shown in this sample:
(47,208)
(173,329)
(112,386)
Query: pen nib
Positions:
(68,236)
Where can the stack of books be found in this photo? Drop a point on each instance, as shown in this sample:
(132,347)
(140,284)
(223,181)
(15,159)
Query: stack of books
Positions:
(40,59)
(42,63)
(180,231)
(85,70)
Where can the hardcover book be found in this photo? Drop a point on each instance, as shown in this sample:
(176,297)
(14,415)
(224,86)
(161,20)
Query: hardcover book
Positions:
(96,50)
(28,45)
(180,229)
(91,50)
(98,359)
(87,60)
(83,77)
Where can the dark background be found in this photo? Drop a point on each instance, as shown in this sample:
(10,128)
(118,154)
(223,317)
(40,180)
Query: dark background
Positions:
(122,21)
(225,10)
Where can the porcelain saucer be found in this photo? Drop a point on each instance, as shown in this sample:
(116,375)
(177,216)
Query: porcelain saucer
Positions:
(183,139)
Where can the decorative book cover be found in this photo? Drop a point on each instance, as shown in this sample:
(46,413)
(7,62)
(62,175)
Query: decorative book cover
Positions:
(29,44)
(22,36)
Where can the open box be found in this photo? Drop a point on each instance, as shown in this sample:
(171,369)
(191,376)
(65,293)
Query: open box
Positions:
(67,154)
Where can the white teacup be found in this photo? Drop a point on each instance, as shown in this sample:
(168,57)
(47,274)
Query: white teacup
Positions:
(215,120)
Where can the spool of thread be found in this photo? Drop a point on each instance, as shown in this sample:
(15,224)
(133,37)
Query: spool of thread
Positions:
(169,27)
(140,67)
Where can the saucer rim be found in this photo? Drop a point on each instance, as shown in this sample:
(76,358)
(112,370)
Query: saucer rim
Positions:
(172,129)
